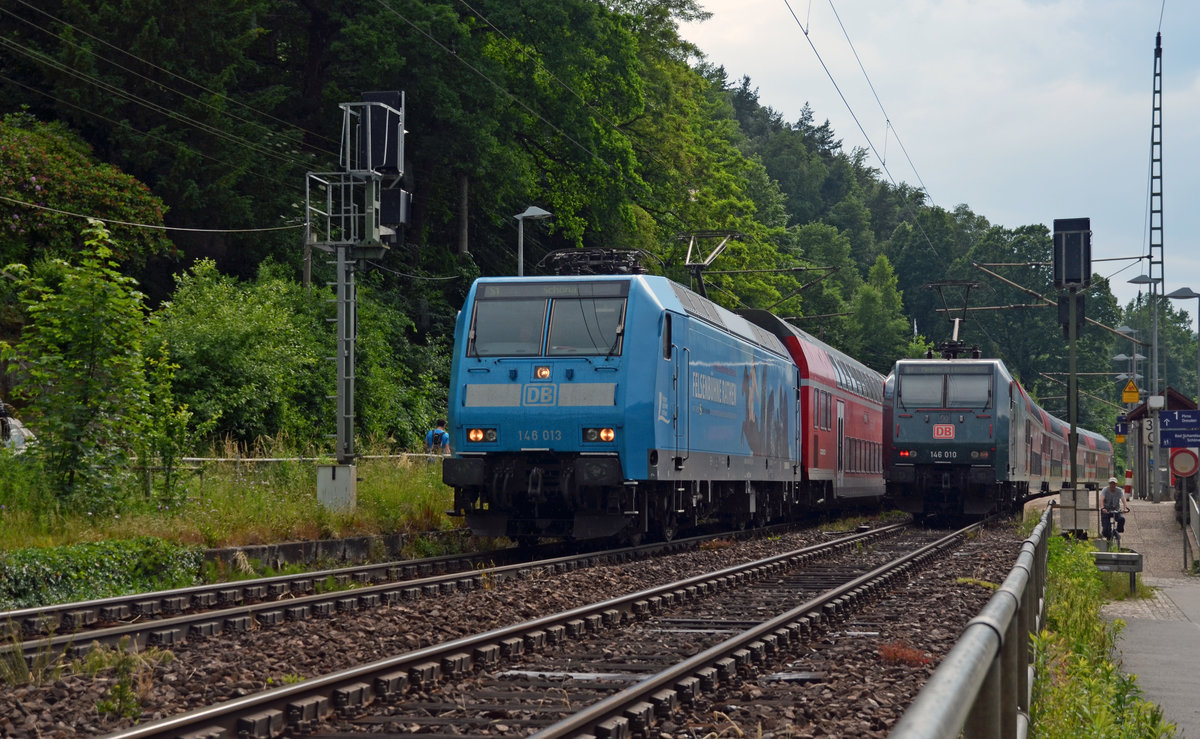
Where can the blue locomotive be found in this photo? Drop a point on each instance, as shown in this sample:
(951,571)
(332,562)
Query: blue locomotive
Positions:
(626,406)
(965,439)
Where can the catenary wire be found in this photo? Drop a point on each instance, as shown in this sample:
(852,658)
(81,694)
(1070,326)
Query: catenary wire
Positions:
(125,125)
(177,76)
(164,110)
(149,225)
(829,74)
(886,117)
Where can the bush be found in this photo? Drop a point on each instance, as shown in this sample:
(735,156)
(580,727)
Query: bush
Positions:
(40,576)
(1080,688)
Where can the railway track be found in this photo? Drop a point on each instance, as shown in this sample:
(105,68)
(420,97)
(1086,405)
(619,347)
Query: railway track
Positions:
(168,618)
(632,660)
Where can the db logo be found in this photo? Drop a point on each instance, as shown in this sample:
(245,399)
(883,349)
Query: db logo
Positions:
(943,431)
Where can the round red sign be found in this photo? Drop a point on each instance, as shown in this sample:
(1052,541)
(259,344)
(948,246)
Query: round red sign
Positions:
(1184,462)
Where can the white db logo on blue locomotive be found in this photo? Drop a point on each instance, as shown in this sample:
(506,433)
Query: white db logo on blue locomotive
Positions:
(539,395)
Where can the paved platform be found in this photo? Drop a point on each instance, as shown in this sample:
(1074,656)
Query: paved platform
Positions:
(1161,640)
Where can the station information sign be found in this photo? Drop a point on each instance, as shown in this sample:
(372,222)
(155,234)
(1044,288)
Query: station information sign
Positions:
(1179,420)
(1179,437)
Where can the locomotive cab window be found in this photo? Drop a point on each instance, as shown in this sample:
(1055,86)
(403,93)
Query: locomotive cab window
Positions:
(936,388)
(586,326)
(968,391)
(511,329)
(583,318)
(920,391)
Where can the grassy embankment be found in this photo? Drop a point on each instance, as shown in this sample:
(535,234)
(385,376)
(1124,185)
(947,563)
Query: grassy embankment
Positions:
(1080,688)
(75,553)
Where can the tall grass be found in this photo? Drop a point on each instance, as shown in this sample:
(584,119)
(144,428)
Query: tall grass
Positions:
(1080,688)
(233,503)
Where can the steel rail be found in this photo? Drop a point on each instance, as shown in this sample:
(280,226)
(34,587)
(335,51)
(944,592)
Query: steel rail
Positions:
(302,706)
(982,688)
(257,604)
(606,717)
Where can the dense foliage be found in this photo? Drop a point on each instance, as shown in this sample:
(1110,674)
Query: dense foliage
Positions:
(81,359)
(78,572)
(1080,689)
(597,111)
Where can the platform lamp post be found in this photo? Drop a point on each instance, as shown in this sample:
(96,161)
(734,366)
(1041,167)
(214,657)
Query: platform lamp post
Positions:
(1182,294)
(533,213)
(1153,283)
(1154,401)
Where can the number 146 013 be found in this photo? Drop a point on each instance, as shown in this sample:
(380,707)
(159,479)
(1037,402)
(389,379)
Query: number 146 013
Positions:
(540,434)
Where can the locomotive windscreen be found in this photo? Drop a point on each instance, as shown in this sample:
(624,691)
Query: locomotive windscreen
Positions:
(584,318)
(931,386)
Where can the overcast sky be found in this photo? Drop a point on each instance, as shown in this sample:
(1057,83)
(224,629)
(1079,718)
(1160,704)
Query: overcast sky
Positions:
(1025,110)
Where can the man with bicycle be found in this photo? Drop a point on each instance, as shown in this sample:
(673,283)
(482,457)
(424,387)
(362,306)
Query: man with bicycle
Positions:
(1112,506)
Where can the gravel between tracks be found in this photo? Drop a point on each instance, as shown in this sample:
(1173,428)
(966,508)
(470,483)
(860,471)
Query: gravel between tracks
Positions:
(859,694)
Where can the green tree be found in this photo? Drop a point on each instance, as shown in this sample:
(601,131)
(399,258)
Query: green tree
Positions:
(831,284)
(167,432)
(401,387)
(249,355)
(877,319)
(46,169)
(79,367)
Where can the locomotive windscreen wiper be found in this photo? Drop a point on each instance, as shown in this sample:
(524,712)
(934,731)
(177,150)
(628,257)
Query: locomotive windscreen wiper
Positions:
(616,340)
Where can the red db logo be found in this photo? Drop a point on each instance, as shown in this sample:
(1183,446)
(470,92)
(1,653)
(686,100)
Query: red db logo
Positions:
(943,431)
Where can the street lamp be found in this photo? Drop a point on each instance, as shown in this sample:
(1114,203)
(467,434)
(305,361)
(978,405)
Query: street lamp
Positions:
(1181,294)
(533,213)
(1152,282)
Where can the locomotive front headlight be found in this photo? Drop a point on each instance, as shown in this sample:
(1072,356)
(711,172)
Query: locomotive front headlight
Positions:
(599,434)
(474,434)
(489,435)
(541,372)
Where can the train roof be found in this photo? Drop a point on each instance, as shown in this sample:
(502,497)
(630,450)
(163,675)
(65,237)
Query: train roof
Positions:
(670,295)
(951,364)
(820,358)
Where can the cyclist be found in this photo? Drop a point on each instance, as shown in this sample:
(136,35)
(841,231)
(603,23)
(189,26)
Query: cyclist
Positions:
(1112,506)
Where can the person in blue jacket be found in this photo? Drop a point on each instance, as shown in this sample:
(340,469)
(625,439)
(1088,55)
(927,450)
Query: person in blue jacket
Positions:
(438,438)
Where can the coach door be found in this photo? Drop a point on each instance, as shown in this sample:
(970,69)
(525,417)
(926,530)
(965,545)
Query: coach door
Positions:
(841,442)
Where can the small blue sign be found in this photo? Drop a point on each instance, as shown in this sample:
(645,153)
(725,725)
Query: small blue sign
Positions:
(1179,437)
(1179,420)
(1122,428)
(1121,418)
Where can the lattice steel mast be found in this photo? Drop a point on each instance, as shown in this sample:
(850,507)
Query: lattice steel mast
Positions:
(1156,210)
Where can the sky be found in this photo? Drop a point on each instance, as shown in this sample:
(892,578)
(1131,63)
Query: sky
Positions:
(1024,110)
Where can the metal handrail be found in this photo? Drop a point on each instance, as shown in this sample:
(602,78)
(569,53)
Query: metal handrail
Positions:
(983,688)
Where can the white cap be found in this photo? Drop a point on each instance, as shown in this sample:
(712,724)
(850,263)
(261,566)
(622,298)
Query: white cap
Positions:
(1112,479)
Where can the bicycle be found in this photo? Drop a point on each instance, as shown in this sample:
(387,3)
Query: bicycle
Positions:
(1113,525)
